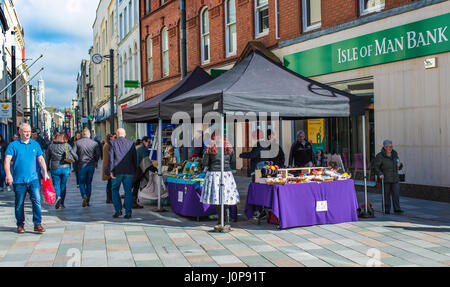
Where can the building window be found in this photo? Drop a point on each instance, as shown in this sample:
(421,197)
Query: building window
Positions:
(312,16)
(125,23)
(136,62)
(149,59)
(165,52)
(230,27)
(130,15)
(261,17)
(111,21)
(204,34)
(136,13)
(120,26)
(163,2)
(370,6)
(147,7)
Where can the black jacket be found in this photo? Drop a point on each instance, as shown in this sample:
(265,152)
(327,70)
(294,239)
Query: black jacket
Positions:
(255,156)
(300,155)
(212,161)
(56,154)
(3,146)
(88,152)
(387,166)
(122,157)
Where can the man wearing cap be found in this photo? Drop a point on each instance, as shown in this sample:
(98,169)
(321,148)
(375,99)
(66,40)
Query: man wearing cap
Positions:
(24,176)
(386,166)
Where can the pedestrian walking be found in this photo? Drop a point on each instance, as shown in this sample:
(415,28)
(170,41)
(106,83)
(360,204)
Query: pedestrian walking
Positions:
(59,168)
(3,146)
(144,165)
(88,153)
(24,176)
(386,166)
(211,188)
(72,142)
(122,166)
(106,175)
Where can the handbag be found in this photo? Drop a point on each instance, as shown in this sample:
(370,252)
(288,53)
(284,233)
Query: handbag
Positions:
(68,158)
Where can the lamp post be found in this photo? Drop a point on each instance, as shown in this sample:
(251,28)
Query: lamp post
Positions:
(97,59)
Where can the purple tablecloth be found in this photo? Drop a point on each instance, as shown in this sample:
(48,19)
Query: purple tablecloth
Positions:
(189,203)
(306,203)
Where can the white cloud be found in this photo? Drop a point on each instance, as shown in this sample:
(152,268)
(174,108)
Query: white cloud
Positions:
(62,32)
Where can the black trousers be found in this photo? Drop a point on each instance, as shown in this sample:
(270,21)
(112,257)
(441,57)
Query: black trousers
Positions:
(391,190)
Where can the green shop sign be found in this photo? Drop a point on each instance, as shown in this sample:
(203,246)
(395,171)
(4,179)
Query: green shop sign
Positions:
(131,84)
(426,37)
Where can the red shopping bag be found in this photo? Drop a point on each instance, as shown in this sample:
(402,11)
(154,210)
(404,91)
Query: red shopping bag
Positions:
(49,191)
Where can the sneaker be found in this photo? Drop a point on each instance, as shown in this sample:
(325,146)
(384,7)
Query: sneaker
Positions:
(117,214)
(127,216)
(84,203)
(39,229)
(399,211)
(58,203)
(62,206)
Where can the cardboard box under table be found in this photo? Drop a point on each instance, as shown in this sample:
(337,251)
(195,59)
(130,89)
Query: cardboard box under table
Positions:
(305,204)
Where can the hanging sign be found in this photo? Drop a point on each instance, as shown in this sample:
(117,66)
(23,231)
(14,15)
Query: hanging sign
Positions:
(5,110)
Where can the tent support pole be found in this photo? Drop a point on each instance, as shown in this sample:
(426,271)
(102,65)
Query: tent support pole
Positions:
(159,209)
(222,227)
(365,214)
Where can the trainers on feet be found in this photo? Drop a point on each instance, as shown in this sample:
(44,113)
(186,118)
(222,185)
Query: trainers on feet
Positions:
(127,216)
(84,203)
(117,214)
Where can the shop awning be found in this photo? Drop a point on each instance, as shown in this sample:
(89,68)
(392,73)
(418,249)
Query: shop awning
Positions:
(258,84)
(149,110)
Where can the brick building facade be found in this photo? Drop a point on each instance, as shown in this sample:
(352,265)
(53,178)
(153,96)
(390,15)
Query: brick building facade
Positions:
(293,27)
(290,25)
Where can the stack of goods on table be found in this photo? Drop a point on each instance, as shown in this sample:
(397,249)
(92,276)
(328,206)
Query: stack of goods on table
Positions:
(316,175)
(191,170)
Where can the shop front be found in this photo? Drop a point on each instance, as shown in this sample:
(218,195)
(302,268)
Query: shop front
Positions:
(401,64)
(102,120)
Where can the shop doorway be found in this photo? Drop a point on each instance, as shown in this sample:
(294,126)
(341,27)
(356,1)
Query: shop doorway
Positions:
(345,134)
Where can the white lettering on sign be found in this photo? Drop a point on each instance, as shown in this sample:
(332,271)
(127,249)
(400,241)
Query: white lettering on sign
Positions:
(180,196)
(384,46)
(321,206)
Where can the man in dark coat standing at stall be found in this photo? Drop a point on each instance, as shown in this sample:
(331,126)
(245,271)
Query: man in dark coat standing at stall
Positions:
(301,154)
(122,167)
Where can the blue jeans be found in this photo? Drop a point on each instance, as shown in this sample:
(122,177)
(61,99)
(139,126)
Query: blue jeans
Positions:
(127,180)
(2,176)
(21,190)
(59,178)
(86,174)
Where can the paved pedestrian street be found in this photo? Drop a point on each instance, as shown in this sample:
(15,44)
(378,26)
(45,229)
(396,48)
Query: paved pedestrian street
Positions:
(78,236)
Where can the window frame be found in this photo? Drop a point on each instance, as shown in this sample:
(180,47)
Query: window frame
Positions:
(165,34)
(305,10)
(148,7)
(257,12)
(149,59)
(227,30)
(363,11)
(203,35)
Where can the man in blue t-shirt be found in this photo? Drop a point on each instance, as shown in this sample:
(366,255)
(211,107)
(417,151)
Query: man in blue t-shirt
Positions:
(24,152)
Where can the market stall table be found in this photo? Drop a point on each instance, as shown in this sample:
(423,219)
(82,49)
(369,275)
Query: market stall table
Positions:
(184,198)
(305,204)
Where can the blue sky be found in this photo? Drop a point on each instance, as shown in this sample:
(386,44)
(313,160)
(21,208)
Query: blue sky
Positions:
(61,30)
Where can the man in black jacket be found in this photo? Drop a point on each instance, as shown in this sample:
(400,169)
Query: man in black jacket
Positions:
(122,167)
(88,153)
(301,154)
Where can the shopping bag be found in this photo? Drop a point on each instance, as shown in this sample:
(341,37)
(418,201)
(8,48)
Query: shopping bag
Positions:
(48,190)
